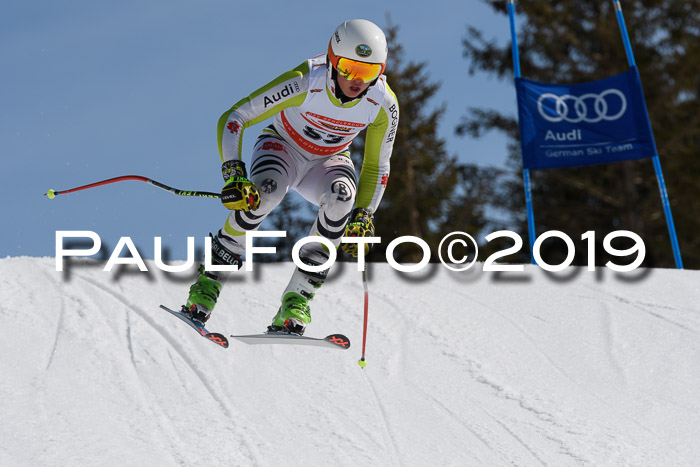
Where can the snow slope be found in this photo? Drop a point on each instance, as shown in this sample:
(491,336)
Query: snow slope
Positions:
(466,368)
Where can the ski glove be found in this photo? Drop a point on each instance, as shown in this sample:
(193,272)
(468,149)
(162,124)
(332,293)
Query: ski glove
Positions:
(238,193)
(360,225)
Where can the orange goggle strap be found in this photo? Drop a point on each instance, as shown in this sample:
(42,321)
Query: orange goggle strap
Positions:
(334,59)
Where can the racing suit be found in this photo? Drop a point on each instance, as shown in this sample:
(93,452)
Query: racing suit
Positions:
(306,148)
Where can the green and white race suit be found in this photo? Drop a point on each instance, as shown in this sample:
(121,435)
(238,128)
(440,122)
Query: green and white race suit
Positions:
(306,147)
(317,124)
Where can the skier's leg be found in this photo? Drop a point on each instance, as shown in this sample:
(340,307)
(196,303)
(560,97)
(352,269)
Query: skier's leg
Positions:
(273,171)
(205,291)
(331,185)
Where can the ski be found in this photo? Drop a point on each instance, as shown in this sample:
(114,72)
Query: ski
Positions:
(215,337)
(334,341)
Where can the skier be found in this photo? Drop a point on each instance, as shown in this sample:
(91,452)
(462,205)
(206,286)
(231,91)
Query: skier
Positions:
(319,108)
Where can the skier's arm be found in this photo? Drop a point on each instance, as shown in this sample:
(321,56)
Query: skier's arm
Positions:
(379,142)
(287,90)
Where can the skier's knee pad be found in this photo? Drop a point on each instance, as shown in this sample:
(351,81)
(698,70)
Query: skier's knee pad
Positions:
(340,200)
(272,174)
(334,210)
(270,195)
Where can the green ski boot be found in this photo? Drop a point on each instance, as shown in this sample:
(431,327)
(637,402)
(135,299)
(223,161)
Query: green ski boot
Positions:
(203,295)
(294,313)
(205,291)
(292,316)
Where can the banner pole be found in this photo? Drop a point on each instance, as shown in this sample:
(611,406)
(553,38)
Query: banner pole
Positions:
(514,38)
(623,31)
(657,163)
(526,172)
(667,211)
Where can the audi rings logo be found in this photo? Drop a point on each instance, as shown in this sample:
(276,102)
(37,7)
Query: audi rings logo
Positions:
(591,108)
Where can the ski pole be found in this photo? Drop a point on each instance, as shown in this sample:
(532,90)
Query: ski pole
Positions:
(51,194)
(362,362)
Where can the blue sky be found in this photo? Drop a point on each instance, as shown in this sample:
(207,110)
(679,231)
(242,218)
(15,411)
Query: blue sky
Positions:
(95,89)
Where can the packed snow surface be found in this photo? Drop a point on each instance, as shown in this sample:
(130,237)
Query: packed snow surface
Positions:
(472,368)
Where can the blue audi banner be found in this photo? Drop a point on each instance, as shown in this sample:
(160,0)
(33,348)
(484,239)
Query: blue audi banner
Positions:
(583,124)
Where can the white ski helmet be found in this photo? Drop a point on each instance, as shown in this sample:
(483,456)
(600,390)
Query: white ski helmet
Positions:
(358,50)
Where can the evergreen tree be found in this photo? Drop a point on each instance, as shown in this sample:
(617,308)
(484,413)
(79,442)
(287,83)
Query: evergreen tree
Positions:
(568,42)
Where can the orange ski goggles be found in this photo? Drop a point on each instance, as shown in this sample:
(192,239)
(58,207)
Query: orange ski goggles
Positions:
(353,69)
